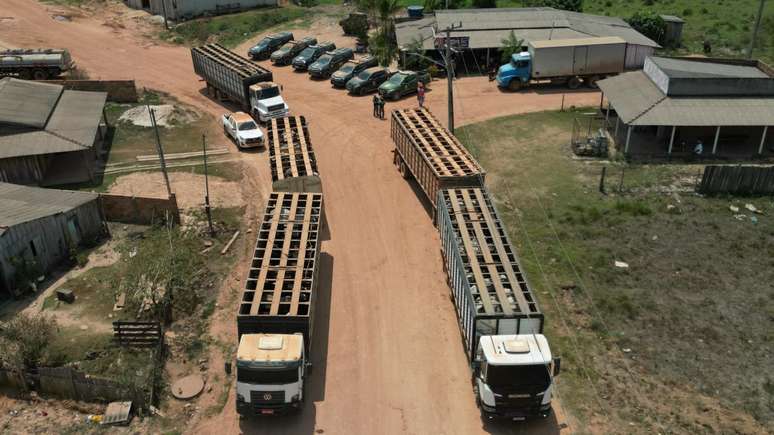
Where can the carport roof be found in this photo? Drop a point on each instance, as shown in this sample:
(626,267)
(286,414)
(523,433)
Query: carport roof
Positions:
(24,204)
(27,104)
(638,101)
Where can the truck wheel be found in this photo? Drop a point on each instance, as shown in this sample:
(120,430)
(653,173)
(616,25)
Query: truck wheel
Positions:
(574,83)
(395,158)
(592,82)
(404,170)
(39,74)
(514,85)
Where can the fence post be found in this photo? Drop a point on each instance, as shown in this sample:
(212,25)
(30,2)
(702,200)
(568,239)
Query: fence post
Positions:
(620,184)
(602,181)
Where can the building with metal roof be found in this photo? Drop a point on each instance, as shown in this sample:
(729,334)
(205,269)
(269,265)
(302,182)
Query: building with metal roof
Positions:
(692,106)
(38,227)
(483,30)
(180,10)
(49,135)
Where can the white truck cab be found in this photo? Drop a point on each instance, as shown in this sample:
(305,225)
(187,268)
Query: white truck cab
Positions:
(266,101)
(270,373)
(514,376)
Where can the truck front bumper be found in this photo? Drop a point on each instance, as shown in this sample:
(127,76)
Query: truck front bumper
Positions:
(266,117)
(246,409)
(502,82)
(502,412)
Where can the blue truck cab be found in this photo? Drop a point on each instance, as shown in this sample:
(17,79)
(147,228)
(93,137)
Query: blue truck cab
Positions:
(516,73)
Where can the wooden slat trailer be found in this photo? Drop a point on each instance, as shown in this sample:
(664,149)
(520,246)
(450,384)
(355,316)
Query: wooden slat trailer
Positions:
(490,291)
(291,157)
(281,285)
(427,151)
(228,73)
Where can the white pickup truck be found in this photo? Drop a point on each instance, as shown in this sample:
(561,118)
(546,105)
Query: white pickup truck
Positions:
(242,128)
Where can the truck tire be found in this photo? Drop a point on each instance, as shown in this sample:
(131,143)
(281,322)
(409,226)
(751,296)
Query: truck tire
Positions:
(404,170)
(39,74)
(592,81)
(514,85)
(574,82)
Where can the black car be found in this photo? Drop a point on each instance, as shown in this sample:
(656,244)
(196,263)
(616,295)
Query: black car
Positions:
(310,54)
(368,80)
(329,62)
(352,68)
(263,49)
(287,52)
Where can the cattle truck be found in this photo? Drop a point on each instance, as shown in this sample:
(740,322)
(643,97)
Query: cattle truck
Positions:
(36,64)
(429,153)
(291,157)
(276,311)
(571,61)
(232,77)
(501,324)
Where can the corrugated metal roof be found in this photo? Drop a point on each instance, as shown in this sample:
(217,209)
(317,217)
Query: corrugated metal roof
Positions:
(548,21)
(72,125)
(639,102)
(685,68)
(26,103)
(23,203)
(604,40)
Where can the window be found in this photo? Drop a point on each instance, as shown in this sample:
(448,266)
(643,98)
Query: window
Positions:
(522,64)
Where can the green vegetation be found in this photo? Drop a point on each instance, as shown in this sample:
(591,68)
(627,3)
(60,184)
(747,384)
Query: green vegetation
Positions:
(684,326)
(230,30)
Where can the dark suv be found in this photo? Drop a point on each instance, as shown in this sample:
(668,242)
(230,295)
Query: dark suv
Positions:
(329,62)
(263,49)
(352,68)
(284,55)
(368,80)
(403,83)
(310,54)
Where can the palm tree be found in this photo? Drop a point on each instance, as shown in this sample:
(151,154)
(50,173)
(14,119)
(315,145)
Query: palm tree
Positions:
(511,44)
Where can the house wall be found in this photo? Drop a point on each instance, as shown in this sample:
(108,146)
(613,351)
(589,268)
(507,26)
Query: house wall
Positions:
(185,9)
(51,238)
(23,170)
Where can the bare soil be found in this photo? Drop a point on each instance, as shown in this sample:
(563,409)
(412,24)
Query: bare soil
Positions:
(388,355)
(188,188)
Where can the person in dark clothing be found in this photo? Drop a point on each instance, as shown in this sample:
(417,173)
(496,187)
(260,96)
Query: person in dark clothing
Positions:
(380,106)
(376,105)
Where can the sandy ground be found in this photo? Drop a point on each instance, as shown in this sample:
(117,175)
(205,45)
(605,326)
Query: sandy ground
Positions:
(189,188)
(388,355)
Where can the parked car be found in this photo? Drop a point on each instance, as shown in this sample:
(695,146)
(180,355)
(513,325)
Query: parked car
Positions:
(243,129)
(263,49)
(310,54)
(368,80)
(403,83)
(287,52)
(329,62)
(351,69)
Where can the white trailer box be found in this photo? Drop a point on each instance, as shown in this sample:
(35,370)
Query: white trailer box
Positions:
(577,57)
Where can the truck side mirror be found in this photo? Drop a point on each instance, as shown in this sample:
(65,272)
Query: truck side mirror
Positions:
(557,366)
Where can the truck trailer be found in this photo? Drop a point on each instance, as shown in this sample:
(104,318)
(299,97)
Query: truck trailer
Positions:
(428,152)
(36,64)
(500,321)
(291,157)
(276,310)
(233,77)
(571,61)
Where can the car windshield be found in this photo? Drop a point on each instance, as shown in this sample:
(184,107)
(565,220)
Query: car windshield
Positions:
(517,376)
(365,75)
(397,79)
(307,52)
(324,60)
(347,68)
(267,376)
(249,125)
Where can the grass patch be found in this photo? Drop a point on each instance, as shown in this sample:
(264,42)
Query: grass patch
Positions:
(691,264)
(227,170)
(230,30)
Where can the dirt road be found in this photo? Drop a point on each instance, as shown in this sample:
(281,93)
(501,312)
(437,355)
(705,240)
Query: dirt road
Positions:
(388,351)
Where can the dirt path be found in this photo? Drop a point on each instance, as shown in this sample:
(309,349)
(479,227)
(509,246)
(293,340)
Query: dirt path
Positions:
(388,351)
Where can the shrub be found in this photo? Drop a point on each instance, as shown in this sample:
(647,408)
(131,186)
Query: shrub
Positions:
(24,339)
(650,25)
(481,4)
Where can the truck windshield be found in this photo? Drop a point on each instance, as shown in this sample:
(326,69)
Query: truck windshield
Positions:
(324,60)
(517,376)
(249,125)
(268,93)
(267,376)
(307,52)
(347,68)
(364,75)
(397,79)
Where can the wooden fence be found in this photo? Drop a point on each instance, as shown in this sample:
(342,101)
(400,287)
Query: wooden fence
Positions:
(737,180)
(137,334)
(67,383)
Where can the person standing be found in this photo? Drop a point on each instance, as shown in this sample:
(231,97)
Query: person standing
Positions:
(376,105)
(421,94)
(381,108)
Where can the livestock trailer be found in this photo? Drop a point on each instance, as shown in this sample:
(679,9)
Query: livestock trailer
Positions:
(227,73)
(291,157)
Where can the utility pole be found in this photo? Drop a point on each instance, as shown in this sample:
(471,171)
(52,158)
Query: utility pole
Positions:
(450,74)
(160,150)
(755,30)
(164,11)
(207,188)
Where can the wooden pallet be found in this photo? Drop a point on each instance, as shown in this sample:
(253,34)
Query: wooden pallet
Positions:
(282,274)
(492,267)
(245,67)
(446,155)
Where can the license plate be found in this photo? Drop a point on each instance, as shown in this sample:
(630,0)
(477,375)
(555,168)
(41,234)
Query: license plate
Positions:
(519,418)
(267,411)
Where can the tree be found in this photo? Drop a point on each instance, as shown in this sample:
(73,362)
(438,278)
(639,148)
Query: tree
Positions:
(649,24)
(383,46)
(481,4)
(567,5)
(415,59)
(24,340)
(511,44)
